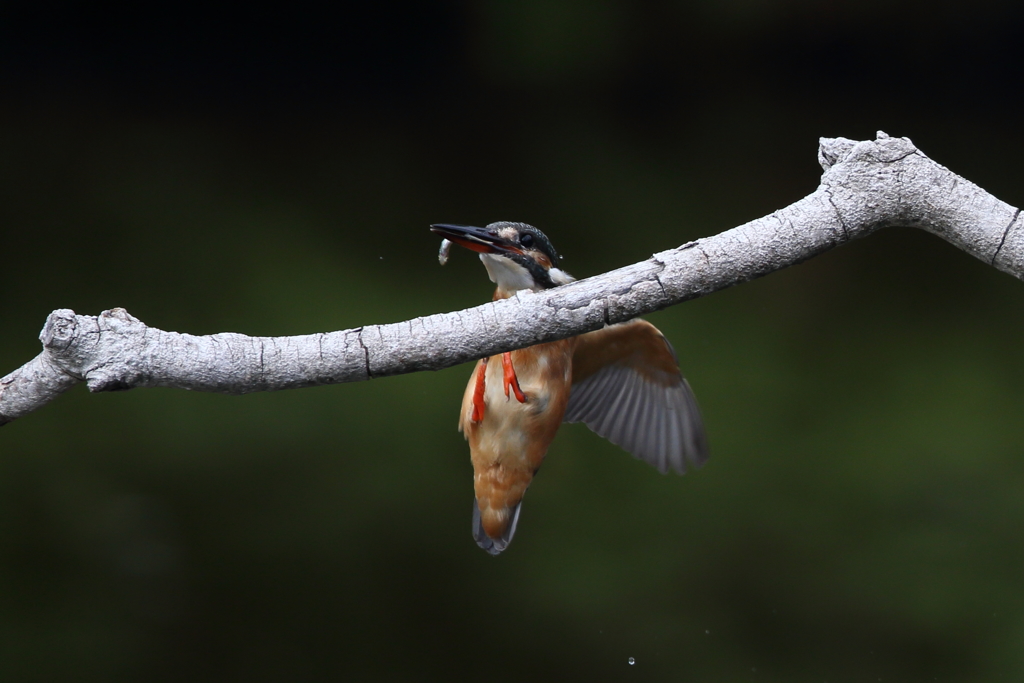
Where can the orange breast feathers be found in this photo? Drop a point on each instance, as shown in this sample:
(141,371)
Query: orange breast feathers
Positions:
(509,440)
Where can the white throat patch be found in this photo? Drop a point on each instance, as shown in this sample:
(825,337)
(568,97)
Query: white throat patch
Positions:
(506,273)
(560,277)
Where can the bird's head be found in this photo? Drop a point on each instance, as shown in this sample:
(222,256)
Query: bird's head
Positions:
(516,255)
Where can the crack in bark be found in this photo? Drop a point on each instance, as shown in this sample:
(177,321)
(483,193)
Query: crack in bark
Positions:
(366,351)
(839,216)
(263,371)
(898,159)
(1002,240)
(782,223)
(657,278)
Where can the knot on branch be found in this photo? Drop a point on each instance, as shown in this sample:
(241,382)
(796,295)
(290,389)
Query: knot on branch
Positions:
(60,329)
(117,320)
(832,151)
(883,149)
(121,368)
(100,350)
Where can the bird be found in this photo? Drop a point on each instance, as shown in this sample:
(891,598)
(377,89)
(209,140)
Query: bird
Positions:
(623,381)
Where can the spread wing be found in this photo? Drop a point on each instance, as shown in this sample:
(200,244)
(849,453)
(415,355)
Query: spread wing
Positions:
(627,388)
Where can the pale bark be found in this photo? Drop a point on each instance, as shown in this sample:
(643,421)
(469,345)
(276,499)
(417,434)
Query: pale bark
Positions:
(866,186)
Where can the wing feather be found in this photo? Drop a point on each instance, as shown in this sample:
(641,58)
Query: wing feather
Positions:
(627,388)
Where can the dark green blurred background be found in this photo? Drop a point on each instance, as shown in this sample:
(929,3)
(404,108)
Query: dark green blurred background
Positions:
(273,173)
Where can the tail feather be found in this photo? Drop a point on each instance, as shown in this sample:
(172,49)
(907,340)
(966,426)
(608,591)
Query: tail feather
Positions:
(494,545)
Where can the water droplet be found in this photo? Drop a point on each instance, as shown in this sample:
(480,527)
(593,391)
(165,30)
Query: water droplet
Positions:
(631,661)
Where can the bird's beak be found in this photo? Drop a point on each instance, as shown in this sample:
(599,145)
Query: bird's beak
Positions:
(483,240)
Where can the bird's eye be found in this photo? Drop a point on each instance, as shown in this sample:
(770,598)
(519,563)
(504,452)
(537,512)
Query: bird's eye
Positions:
(526,240)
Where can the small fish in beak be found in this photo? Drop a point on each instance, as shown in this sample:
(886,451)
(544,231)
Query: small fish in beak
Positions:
(442,256)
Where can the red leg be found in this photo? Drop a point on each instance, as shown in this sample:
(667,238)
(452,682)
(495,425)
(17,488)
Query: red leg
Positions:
(478,392)
(510,377)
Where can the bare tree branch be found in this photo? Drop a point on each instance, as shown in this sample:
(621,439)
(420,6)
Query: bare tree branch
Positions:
(866,186)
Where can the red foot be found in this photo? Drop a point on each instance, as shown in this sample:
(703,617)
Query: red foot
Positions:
(510,377)
(478,392)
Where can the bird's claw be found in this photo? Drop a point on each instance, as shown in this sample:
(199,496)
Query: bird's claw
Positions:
(478,393)
(510,378)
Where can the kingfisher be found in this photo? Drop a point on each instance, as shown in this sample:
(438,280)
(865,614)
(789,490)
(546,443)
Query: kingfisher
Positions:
(622,381)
